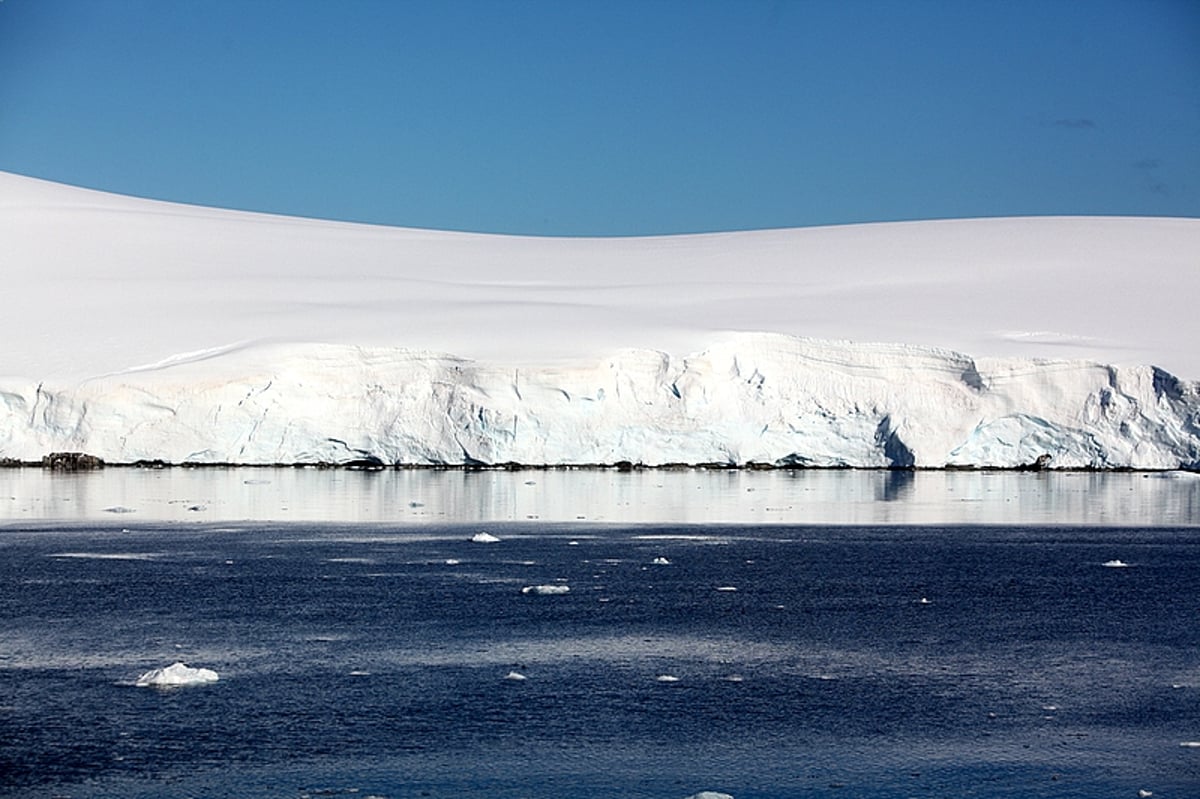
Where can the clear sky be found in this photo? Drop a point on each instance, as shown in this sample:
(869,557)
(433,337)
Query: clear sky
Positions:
(583,117)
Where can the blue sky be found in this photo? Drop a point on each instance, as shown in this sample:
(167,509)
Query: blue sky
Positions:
(611,118)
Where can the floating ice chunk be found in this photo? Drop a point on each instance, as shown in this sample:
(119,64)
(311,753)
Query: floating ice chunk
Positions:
(709,795)
(484,538)
(667,678)
(176,674)
(546,590)
(1116,564)
(107,555)
(661,562)
(1143,793)
(515,676)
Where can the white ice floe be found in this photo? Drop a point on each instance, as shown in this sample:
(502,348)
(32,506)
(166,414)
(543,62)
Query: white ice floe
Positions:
(666,678)
(661,562)
(1116,564)
(175,675)
(107,555)
(546,590)
(515,676)
(484,538)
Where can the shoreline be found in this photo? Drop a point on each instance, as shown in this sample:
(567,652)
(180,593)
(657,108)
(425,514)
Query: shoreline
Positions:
(73,462)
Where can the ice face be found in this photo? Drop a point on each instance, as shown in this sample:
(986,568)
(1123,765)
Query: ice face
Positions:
(751,399)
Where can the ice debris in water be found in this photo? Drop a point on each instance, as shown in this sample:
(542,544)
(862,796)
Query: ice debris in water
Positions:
(1116,564)
(660,561)
(515,676)
(546,590)
(484,538)
(667,678)
(174,675)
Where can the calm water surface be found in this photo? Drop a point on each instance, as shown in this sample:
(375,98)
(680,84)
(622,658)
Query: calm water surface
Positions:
(831,657)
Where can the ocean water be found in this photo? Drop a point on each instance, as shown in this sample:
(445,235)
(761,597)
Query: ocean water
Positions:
(762,660)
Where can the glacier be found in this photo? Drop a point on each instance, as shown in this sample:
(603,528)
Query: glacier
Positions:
(751,399)
(136,330)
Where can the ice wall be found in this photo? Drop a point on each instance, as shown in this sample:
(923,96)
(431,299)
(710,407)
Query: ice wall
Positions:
(746,399)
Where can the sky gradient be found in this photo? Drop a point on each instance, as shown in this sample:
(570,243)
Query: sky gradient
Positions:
(616,118)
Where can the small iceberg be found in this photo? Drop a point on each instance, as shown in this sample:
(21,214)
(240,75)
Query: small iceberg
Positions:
(515,676)
(177,674)
(1116,564)
(546,590)
(661,562)
(484,538)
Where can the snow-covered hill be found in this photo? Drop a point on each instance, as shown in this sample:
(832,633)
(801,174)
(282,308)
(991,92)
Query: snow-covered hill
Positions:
(145,330)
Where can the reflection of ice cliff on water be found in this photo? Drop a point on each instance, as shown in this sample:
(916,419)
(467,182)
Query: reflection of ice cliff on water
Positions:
(593,495)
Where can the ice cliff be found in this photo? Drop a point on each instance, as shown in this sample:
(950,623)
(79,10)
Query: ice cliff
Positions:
(746,399)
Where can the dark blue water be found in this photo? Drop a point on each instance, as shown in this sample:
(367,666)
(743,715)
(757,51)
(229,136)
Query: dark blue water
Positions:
(371,660)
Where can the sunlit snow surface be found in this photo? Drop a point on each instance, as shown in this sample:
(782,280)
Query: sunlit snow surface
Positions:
(144,330)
